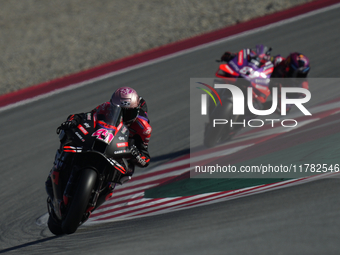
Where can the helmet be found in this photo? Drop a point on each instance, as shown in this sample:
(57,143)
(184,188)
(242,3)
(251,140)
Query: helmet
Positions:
(297,65)
(128,99)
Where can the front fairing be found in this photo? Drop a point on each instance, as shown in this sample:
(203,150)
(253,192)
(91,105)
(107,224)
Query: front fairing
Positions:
(255,71)
(104,133)
(251,68)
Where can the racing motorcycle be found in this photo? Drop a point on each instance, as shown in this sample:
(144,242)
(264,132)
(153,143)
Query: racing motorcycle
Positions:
(246,68)
(100,154)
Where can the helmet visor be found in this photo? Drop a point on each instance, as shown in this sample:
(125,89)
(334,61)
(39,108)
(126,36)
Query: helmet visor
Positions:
(296,73)
(130,114)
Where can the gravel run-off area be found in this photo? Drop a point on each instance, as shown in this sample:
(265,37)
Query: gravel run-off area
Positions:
(43,40)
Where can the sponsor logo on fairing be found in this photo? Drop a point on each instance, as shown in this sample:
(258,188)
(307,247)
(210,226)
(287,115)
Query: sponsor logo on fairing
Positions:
(80,137)
(147,131)
(122,144)
(82,129)
(119,152)
(124,130)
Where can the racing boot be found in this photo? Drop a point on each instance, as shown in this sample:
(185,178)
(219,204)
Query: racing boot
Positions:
(129,172)
(124,179)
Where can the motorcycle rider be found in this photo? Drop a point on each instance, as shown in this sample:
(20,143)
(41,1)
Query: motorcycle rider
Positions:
(135,117)
(296,65)
(261,53)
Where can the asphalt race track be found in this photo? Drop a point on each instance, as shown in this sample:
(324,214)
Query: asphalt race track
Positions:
(302,219)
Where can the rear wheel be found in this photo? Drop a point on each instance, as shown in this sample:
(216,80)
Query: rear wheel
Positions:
(79,201)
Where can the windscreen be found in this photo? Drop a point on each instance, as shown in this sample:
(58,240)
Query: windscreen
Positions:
(112,115)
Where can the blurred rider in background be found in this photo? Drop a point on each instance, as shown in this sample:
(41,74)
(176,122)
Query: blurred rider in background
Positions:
(135,117)
(296,65)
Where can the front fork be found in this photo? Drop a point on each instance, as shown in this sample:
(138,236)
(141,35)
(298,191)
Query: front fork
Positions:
(58,174)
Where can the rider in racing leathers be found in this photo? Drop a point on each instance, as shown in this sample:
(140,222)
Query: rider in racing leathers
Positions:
(296,65)
(135,117)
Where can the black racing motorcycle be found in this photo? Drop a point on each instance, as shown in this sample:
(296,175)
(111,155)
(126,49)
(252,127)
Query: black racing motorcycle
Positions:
(100,156)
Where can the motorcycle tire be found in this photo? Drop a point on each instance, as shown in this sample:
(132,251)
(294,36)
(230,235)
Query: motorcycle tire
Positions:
(54,226)
(212,135)
(79,201)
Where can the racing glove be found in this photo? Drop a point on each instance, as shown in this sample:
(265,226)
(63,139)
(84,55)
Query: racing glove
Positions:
(71,122)
(68,124)
(137,155)
(227,56)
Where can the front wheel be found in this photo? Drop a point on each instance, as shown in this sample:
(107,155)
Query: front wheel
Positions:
(212,135)
(54,226)
(79,201)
